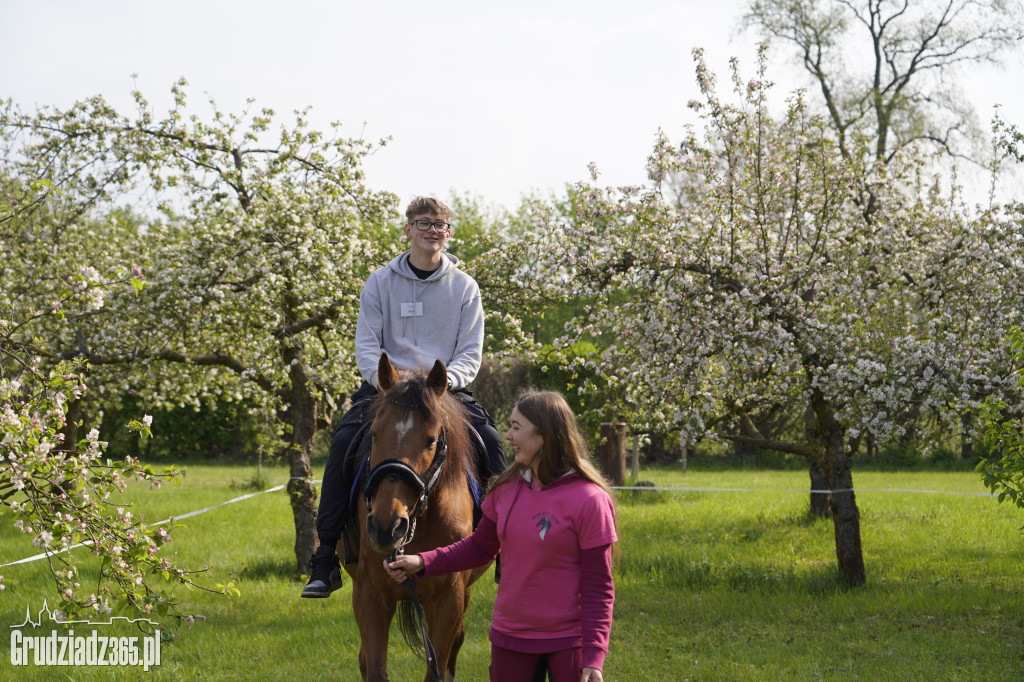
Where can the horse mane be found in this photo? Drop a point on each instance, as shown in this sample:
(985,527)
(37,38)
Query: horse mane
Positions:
(411,394)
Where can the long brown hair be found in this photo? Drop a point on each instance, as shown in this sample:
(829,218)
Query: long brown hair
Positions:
(564,446)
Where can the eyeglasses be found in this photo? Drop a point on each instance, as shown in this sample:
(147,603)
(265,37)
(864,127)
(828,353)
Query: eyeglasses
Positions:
(423,225)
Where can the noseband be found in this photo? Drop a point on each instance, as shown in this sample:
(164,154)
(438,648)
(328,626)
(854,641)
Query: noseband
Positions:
(423,485)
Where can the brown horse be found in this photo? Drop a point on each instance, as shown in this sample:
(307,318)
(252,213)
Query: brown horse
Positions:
(417,498)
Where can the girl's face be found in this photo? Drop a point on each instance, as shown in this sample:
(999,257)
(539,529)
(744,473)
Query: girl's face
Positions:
(525,440)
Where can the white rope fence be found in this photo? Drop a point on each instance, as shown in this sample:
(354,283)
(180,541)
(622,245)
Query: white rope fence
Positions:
(803,491)
(197,512)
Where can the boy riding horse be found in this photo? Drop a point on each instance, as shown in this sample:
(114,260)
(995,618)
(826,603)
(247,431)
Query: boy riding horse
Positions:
(419,308)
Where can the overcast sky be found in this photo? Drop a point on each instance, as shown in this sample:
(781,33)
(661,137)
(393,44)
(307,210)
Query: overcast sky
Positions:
(494,99)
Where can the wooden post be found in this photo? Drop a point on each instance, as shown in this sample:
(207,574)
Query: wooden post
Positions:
(612,453)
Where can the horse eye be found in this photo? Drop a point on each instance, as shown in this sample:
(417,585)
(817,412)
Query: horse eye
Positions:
(373,437)
(430,442)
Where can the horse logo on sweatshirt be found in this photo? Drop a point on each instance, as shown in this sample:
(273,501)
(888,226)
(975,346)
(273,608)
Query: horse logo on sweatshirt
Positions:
(545,521)
(545,525)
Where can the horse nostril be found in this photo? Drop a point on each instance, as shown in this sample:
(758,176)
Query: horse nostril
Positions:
(399,528)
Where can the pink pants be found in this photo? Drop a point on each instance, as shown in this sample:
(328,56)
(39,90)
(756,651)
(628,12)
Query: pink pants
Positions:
(514,666)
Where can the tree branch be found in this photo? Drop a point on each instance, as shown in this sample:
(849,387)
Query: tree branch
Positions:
(808,451)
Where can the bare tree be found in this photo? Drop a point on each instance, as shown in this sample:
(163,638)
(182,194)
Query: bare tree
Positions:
(887,68)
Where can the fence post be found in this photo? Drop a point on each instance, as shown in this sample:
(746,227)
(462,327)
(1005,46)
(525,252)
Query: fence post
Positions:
(612,453)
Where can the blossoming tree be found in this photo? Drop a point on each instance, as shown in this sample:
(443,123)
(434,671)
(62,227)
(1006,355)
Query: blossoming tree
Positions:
(254,251)
(770,282)
(59,491)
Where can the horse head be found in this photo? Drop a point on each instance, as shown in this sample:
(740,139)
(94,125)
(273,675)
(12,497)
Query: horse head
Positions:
(408,450)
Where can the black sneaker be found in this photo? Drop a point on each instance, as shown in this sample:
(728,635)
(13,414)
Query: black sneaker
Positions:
(324,576)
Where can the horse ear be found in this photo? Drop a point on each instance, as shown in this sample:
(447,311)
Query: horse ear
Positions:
(437,380)
(387,376)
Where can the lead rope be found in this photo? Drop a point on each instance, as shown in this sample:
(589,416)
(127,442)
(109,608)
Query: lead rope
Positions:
(410,585)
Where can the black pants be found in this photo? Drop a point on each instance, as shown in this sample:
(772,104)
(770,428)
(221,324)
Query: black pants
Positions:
(336,494)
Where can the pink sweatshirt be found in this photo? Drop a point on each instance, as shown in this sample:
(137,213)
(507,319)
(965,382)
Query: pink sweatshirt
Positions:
(556,587)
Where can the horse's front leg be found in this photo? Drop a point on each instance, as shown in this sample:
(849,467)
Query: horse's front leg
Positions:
(444,624)
(373,616)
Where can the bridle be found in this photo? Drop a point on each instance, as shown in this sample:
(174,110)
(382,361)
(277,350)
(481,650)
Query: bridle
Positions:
(423,485)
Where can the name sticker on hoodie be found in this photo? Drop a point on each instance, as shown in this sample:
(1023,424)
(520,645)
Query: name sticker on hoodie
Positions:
(412,309)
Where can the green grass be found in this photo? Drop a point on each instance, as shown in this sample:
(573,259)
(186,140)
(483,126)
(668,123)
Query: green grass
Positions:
(711,585)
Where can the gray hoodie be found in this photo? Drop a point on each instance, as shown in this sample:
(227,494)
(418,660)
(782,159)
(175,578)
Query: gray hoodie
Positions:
(419,321)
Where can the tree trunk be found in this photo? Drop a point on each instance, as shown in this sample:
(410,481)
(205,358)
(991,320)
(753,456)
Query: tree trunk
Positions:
(843,502)
(910,420)
(870,447)
(612,452)
(819,481)
(70,430)
(966,442)
(744,451)
(301,417)
(302,494)
(819,475)
(634,459)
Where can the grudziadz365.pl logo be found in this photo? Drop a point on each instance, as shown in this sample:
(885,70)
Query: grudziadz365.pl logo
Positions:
(32,645)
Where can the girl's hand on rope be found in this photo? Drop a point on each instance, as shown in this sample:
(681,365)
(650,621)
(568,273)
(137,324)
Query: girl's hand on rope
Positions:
(591,675)
(404,567)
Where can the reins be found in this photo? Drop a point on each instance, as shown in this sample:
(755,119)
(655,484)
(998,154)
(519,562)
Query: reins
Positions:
(410,585)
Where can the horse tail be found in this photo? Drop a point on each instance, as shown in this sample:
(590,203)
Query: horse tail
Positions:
(410,616)
(409,626)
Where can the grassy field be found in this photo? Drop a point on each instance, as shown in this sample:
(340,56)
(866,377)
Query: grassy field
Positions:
(711,585)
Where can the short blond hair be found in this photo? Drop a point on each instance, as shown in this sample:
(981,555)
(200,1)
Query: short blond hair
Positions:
(421,205)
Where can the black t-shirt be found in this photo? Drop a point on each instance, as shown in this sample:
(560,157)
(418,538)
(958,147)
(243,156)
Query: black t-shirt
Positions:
(422,274)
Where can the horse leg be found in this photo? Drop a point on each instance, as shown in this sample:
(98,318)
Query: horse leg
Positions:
(444,626)
(460,637)
(373,616)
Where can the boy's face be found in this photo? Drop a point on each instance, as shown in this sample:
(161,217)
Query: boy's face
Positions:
(430,240)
